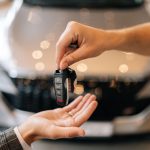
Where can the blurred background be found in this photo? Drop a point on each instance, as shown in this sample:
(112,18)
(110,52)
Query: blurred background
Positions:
(29,30)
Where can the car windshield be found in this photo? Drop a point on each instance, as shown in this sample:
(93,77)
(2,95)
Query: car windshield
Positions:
(86,3)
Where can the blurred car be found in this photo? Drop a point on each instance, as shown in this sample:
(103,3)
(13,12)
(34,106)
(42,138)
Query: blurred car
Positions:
(119,80)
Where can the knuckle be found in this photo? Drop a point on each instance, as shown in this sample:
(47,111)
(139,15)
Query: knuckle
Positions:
(72,24)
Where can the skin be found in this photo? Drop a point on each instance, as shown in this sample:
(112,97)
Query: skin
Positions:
(59,123)
(65,122)
(93,42)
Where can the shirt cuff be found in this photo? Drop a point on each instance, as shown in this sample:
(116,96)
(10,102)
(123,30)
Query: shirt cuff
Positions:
(24,145)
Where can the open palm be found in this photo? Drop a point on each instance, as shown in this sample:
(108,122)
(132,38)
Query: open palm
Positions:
(62,122)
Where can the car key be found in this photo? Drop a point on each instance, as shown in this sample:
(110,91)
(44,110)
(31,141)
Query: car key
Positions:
(64,83)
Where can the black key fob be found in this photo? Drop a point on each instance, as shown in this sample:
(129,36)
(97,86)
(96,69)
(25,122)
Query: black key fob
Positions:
(64,83)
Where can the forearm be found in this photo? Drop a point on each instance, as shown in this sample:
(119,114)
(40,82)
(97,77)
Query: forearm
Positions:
(134,39)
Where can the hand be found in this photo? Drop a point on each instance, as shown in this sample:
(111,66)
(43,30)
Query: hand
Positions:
(91,42)
(59,123)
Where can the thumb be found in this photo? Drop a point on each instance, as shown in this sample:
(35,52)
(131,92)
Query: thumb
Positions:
(71,58)
(68,132)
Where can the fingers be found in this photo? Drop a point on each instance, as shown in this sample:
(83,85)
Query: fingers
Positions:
(83,109)
(61,47)
(80,105)
(89,100)
(44,128)
(75,56)
(65,132)
(63,43)
(74,104)
(72,34)
(85,113)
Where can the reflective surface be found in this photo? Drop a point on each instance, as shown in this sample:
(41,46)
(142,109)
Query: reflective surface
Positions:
(86,3)
(30,37)
(114,144)
(38,29)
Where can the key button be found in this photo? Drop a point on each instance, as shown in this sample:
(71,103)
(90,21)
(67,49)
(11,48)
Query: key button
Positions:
(58,86)
(58,92)
(58,80)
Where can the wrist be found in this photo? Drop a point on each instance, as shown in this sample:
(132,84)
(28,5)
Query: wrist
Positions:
(27,133)
(116,39)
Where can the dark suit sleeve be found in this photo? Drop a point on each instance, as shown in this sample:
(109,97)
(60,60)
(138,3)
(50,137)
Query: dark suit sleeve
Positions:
(9,140)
